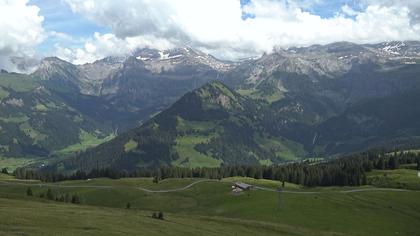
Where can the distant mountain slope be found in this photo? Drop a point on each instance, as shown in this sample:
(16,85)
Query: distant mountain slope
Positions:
(107,96)
(319,100)
(34,121)
(214,125)
(389,122)
(206,127)
(127,91)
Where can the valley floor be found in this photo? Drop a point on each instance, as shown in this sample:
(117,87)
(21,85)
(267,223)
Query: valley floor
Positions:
(205,207)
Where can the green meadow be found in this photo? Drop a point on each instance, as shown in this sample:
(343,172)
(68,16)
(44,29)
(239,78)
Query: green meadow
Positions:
(206,208)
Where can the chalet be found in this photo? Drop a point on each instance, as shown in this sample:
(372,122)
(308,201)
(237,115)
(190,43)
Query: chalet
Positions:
(243,186)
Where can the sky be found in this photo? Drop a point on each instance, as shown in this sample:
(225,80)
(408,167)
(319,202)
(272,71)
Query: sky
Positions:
(82,31)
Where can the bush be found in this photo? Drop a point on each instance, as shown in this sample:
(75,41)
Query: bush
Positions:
(50,194)
(160,215)
(75,199)
(29,191)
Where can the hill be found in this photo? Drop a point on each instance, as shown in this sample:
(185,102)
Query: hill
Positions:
(34,121)
(207,208)
(317,101)
(215,125)
(63,108)
(206,127)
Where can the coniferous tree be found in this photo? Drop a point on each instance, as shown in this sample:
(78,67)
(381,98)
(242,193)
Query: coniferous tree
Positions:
(29,192)
(393,163)
(160,215)
(128,206)
(418,163)
(50,195)
(75,199)
(4,171)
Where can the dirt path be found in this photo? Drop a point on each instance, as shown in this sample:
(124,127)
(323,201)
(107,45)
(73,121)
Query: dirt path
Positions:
(177,189)
(14,183)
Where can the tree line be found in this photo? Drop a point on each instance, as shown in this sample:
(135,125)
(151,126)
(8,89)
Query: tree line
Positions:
(346,171)
(49,194)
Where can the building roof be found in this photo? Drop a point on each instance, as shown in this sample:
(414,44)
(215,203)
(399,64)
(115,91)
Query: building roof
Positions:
(243,185)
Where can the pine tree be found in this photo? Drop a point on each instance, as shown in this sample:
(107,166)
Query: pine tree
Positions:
(4,171)
(50,195)
(393,163)
(29,191)
(75,199)
(128,206)
(160,215)
(418,163)
(156,180)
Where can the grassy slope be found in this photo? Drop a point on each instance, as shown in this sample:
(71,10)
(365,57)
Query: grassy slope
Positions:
(376,213)
(400,178)
(87,140)
(185,145)
(12,163)
(6,177)
(18,82)
(189,157)
(37,218)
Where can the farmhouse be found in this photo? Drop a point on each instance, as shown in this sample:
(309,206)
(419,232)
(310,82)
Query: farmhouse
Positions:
(243,186)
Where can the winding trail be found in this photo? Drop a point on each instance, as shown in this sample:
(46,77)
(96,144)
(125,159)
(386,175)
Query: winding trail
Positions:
(177,189)
(15,182)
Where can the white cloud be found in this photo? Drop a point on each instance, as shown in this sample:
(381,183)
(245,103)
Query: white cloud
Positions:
(104,45)
(349,10)
(21,31)
(216,26)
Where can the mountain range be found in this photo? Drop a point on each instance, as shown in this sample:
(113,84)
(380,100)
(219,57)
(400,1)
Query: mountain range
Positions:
(186,108)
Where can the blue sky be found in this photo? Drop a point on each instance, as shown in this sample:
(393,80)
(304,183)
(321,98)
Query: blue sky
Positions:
(58,17)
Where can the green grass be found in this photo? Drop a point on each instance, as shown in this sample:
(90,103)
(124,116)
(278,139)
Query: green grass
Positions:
(32,133)
(11,163)
(285,149)
(256,94)
(87,140)
(38,218)
(15,119)
(189,157)
(6,177)
(400,178)
(18,82)
(184,125)
(41,108)
(130,145)
(3,94)
(208,205)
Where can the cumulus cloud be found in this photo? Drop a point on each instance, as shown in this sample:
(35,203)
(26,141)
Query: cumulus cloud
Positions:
(412,5)
(21,31)
(217,26)
(104,45)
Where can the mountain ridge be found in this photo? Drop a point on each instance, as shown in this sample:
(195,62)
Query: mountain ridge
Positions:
(291,94)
